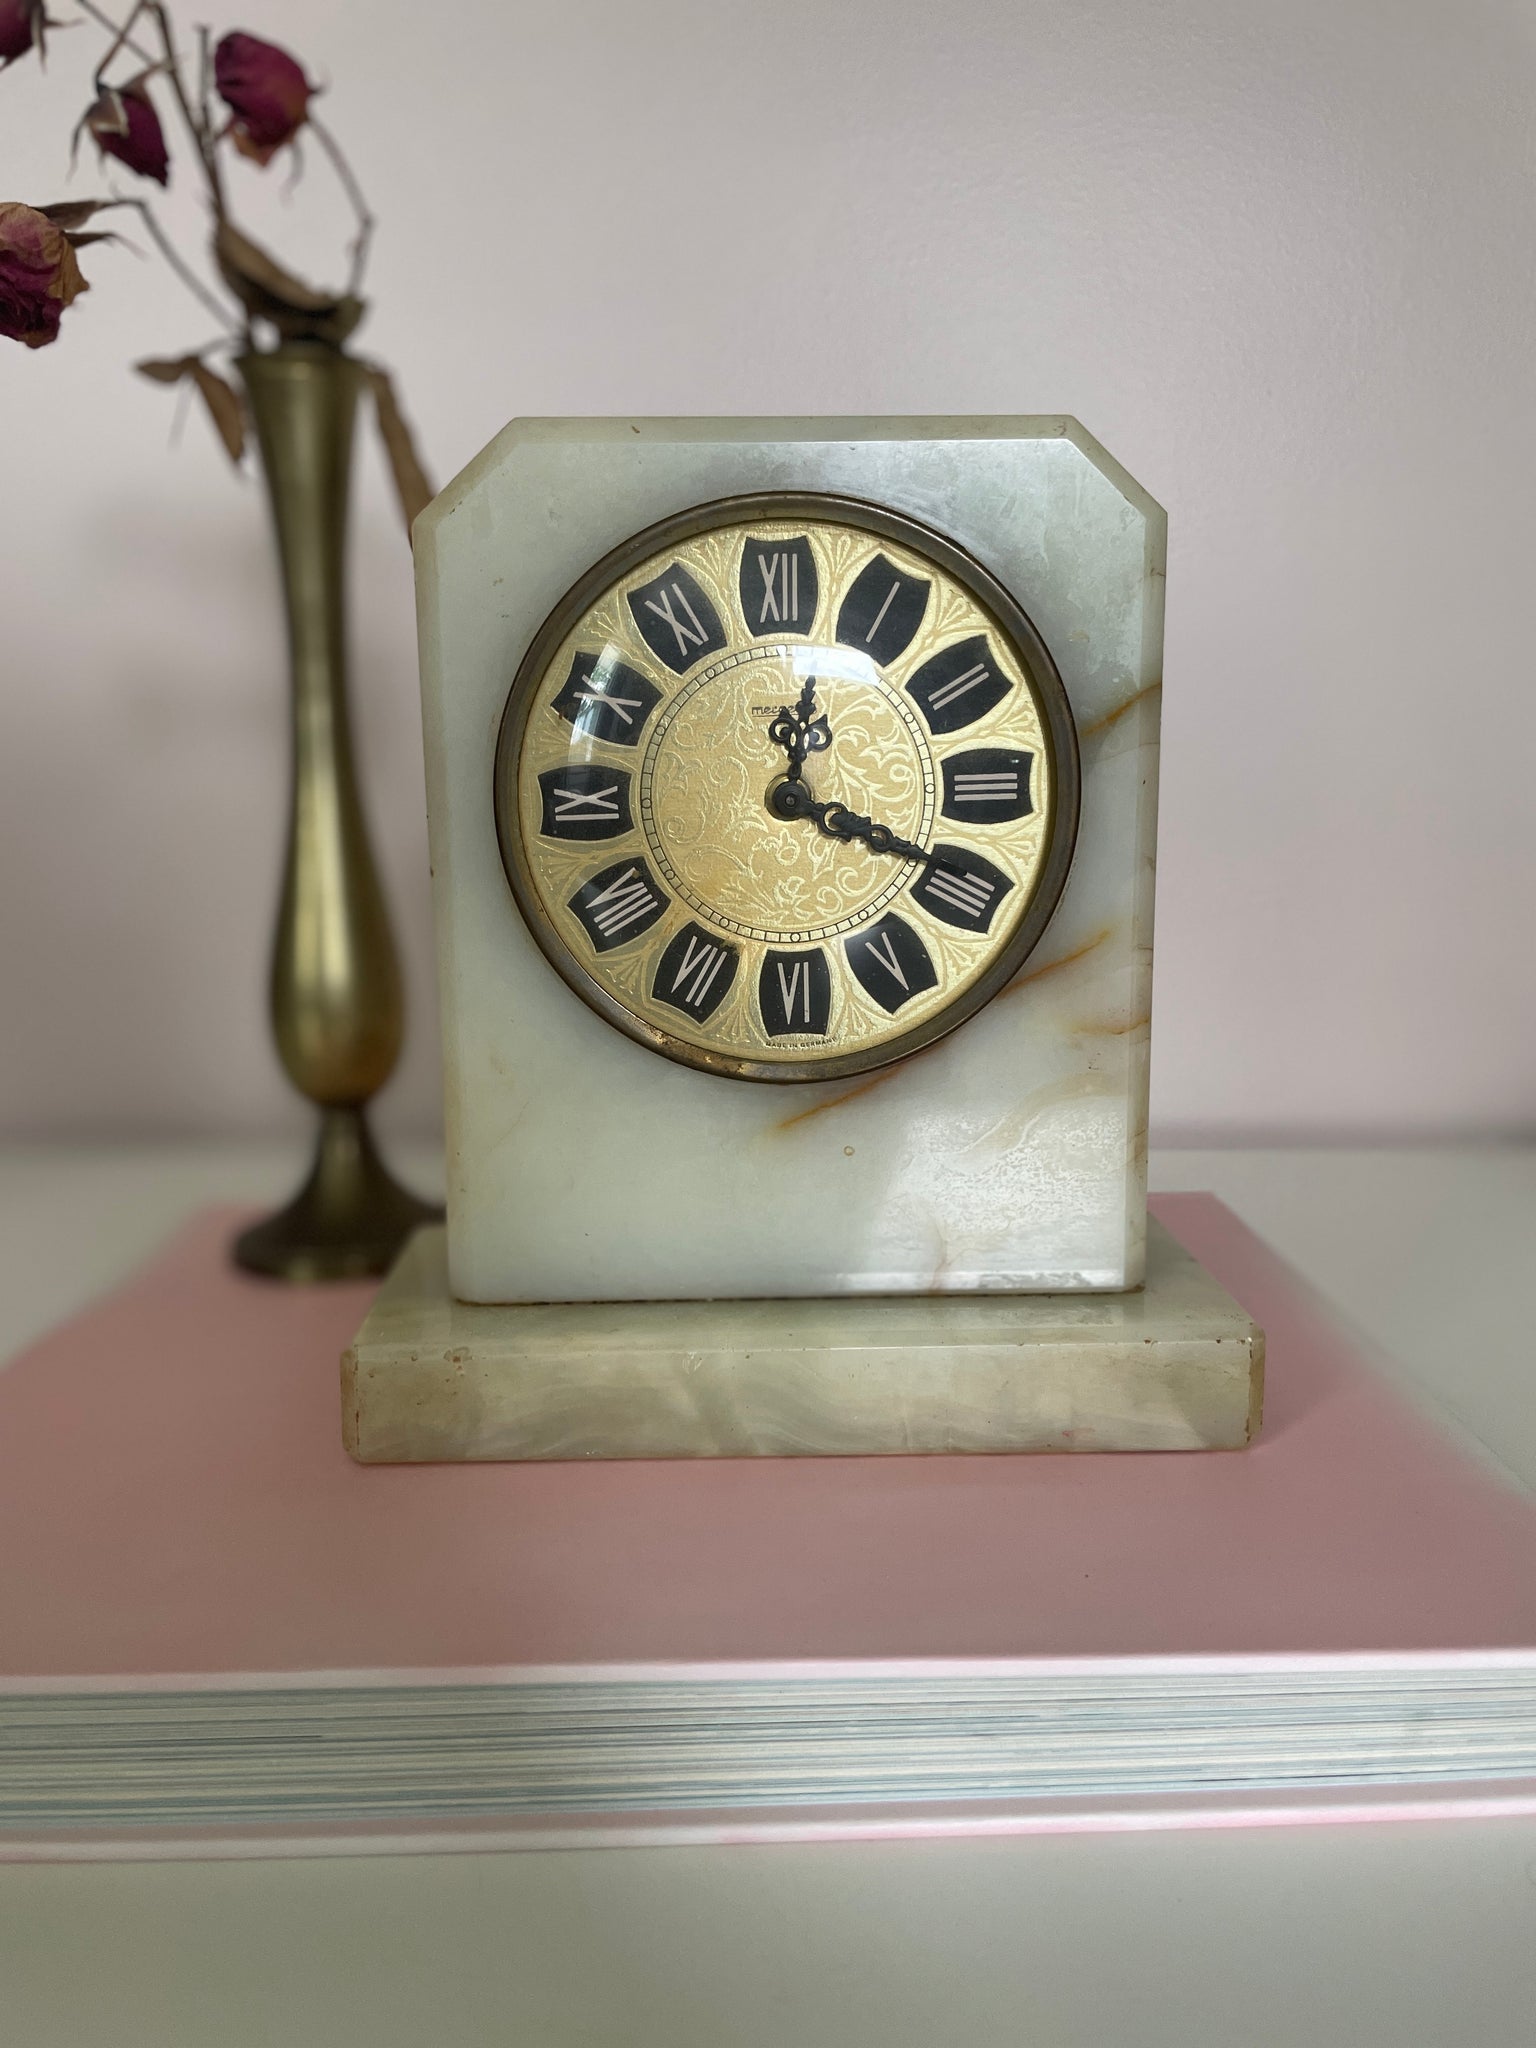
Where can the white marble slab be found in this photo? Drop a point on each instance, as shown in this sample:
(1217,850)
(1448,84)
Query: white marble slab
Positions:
(1010,1156)
(1174,1366)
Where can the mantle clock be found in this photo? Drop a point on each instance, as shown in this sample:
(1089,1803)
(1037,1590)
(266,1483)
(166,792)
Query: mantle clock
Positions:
(792,789)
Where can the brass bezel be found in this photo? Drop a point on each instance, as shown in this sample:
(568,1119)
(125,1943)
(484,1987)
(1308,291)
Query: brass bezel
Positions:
(1059,731)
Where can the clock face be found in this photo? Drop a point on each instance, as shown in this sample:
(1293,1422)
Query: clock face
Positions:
(787,787)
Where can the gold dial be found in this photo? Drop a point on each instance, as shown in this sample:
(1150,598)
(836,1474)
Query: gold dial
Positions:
(787,787)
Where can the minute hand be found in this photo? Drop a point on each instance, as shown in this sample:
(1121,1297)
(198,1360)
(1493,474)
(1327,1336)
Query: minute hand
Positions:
(793,800)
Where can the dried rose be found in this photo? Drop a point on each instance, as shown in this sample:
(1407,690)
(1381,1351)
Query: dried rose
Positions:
(124,124)
(21,26)
(39,275)
(266,92)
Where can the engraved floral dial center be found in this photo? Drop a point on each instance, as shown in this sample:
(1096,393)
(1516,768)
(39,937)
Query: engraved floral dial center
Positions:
(786,787)
(702,796)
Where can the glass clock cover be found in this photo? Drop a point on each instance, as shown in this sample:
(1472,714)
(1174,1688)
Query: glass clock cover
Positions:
(787,787)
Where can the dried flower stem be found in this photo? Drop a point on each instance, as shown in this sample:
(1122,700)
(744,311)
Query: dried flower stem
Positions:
(359,246)
(189,277)
(124,40)
(204,75)
(201,139)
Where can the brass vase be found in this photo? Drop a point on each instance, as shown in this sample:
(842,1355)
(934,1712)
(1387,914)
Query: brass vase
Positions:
(338,1008)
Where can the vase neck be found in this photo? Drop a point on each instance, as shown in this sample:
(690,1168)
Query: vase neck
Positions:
(303,399)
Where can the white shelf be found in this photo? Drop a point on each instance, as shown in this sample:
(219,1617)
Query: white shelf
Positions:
(1409,1935)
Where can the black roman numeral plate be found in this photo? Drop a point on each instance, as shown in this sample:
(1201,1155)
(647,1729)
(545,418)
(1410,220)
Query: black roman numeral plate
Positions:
(961,888)
(604,699)
(676,620)
(695,972)
(891,962)
(778,586)
(958,685)
(619,904)
(988,786)
(794,994)
(585,802)
(882,611)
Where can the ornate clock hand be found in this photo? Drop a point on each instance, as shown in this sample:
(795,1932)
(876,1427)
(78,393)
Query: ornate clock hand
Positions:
(799,731)
(792,799)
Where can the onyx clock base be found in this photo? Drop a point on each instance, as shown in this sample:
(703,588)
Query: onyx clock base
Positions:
(1174,1366)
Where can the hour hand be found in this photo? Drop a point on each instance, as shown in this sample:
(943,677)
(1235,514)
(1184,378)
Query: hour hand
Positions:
(799,731)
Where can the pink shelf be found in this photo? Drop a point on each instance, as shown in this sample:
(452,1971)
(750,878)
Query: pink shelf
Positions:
(175,1504)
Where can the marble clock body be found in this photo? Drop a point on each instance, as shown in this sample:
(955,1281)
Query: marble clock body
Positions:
(697,1048)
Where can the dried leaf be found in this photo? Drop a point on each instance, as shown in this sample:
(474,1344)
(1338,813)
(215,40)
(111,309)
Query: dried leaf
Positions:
(164,369)
(264,288)
(74,213)
(224,407)
(411,485)
(251,265)
(221,398)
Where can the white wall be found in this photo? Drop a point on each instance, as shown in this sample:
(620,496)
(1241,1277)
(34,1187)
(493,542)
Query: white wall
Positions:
(1279,258)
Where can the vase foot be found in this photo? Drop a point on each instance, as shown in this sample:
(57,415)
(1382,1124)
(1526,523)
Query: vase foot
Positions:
(349,1219)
